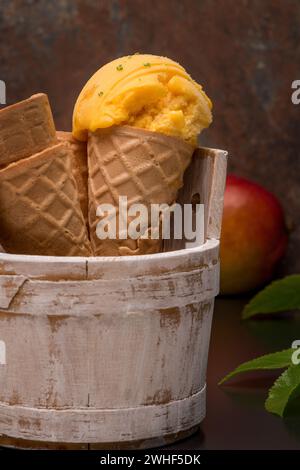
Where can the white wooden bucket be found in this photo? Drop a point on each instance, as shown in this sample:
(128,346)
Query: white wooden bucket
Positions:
(111,352)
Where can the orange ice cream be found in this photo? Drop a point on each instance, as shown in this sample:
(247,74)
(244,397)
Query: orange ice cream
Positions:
(145,91)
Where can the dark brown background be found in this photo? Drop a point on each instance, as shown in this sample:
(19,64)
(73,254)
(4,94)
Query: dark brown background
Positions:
(246,53)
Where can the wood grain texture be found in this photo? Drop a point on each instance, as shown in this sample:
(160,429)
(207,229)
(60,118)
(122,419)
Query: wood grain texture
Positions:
(138,444)
(119,349)
(105,297)
(212,166)
(102,425)
(204,181)
(75,268)
(9,287)
(110,349)
(43,267)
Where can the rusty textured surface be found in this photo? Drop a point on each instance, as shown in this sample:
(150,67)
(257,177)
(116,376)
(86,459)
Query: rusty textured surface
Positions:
(246,54)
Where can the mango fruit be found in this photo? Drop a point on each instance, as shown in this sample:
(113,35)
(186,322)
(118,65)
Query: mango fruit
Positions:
(254,236)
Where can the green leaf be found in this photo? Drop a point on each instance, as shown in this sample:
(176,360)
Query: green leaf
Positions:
(277,360)
(279,296)
(286,388)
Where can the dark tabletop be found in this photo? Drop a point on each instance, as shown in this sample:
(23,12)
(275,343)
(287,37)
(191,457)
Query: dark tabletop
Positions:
(235,417)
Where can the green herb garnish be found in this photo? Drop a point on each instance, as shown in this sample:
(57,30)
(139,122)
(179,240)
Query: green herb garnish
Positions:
(119,67)
(100,93)
(147,64)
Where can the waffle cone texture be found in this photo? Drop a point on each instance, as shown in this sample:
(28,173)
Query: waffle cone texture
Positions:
(40,211)
(51,184)
(79,167)
(146,167)
(39,207)
(26,128)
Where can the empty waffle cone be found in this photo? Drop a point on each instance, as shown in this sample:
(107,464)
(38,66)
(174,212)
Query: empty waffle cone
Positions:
(40,212)
(26,128)
(79,166)
(146,167)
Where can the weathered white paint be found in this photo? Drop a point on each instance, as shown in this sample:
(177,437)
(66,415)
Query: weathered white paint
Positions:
(91,425)
(112,297)
(2,353)
(9,287)
(43,267)
(110,349)
(205,177)
(108,267)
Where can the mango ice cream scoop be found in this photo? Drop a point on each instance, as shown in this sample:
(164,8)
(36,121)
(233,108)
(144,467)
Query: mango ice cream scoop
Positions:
(143,91)
(141,116)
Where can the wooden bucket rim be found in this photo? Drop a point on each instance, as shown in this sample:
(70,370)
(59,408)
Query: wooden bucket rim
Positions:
(107,260)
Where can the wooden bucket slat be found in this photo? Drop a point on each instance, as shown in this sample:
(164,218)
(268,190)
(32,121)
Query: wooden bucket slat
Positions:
(80,363)
(206,176)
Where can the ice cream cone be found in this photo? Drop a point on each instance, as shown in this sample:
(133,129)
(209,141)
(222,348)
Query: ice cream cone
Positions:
(79,166)
(40,212)
(26,128)
(146,167)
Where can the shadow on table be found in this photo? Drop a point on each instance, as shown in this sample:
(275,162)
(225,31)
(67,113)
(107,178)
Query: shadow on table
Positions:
(191,443)
(253,392)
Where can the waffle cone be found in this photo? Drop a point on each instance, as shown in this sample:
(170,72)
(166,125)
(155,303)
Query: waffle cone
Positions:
(26,128)
(40,212)
(79,167)
(145,166)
